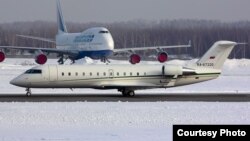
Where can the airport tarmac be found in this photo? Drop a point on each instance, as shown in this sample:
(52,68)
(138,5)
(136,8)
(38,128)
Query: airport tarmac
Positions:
(119,98)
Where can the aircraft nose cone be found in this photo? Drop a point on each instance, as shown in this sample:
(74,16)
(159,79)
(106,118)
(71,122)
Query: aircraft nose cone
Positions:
(15,82)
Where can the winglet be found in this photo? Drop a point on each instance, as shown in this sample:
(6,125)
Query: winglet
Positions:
(60,20)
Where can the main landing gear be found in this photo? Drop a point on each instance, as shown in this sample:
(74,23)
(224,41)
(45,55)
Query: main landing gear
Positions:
(62,59)
(127,92)
(28,92)
(105,60)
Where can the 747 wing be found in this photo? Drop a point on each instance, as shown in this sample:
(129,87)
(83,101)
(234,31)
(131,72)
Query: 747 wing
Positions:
(162,55)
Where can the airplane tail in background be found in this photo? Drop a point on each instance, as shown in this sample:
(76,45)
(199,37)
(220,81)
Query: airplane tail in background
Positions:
(60,20)
(216,55)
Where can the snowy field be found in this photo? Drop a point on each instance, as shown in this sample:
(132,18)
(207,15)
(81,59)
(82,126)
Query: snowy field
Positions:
(123,121)
(114,121)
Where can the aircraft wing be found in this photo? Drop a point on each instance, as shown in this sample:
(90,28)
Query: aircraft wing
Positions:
(47,50)
(149,48)
(37,38)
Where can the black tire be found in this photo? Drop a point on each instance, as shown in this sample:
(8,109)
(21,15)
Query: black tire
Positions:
(127,93)
(131,93)
(124,94)
(28,94)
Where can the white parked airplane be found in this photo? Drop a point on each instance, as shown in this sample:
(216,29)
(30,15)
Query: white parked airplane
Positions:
(96,43)
(127,78)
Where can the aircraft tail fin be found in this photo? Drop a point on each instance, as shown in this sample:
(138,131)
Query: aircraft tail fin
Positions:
(217,54)
(60,20)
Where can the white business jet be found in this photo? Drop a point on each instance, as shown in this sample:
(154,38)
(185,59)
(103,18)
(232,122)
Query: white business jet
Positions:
(127,78)
(96,43)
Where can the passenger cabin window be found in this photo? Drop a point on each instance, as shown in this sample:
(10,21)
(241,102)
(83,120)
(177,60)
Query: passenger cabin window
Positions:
(145,73)
(138,74)
(33,71)
(124,73)
(131,73)
(90,74)
(76,73)
(62,73)
(117,73)
(69,74)
(103,32)
(97,74)
(83,74)
(104,74)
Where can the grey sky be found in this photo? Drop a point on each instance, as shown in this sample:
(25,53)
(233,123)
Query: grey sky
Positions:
(124,10)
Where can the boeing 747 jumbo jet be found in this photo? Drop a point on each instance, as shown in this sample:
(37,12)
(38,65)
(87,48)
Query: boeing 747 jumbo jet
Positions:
(127,78)
(96,43)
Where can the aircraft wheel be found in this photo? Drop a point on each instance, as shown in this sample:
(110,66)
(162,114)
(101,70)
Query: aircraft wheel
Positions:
(129,93)
(124,94)
(28,94)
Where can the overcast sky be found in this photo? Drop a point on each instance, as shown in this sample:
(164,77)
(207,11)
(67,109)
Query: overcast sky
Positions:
(124,10)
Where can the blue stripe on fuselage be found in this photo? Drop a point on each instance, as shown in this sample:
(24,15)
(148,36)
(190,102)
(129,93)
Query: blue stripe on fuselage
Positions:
(94,54)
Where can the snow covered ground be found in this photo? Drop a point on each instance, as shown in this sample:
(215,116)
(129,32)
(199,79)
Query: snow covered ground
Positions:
(111,121)
(123,121)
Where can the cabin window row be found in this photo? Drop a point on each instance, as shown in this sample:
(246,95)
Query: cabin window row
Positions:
(103,74)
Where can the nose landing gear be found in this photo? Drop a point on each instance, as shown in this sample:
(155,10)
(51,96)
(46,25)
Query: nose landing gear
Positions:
(28,92)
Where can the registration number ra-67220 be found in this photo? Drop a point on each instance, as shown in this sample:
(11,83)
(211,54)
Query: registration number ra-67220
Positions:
(205,64)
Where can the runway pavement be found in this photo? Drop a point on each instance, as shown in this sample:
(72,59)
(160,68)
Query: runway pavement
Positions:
(119,98)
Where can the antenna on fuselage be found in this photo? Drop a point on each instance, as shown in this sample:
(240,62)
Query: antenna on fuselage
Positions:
(60,20)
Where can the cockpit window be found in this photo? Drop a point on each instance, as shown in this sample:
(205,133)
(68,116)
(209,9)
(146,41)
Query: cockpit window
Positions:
(33,71)
(103,31)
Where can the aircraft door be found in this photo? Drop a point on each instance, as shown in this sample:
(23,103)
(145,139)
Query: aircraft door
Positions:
(53,73)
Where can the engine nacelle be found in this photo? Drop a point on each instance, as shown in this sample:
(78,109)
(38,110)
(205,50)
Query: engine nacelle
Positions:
(172,70)
(135,59)
(2,56)
(162,57)
(41,59)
